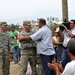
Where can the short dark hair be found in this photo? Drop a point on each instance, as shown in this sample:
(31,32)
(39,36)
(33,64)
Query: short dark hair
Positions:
(73,21)
(12,26)
(71,46)
(43,21)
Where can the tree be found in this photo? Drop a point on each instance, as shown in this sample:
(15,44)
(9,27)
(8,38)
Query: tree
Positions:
(52,20)
(64,9)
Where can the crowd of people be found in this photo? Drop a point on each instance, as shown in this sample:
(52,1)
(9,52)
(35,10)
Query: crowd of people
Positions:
(47,52)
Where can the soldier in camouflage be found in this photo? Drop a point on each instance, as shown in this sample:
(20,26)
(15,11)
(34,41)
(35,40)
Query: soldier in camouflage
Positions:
(28,51)
(5,44)
(38,58)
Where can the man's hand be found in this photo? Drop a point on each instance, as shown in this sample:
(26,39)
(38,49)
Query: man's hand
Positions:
(69,33)
(21,38)
(53,65)
(24,38)
(65,27)
(60,67)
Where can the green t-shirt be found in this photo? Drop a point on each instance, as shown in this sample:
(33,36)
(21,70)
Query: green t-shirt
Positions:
(13,34)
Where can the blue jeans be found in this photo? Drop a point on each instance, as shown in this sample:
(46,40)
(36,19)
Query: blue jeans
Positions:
(45,59)
(65,58)
(15,53)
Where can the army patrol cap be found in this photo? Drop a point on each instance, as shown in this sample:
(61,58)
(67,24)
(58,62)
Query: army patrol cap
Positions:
(3,23)
(27,22)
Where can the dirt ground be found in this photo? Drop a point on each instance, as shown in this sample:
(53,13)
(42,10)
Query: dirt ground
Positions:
(14,69)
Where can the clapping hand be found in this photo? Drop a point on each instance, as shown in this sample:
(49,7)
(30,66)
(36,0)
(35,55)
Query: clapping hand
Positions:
(53,65)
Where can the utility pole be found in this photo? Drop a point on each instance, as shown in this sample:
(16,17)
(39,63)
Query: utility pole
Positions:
(65,9)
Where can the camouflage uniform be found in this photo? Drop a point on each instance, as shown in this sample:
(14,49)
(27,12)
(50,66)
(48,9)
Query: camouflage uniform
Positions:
(5,44)
(28,53)
(0,65)
(35,29)
(39,63)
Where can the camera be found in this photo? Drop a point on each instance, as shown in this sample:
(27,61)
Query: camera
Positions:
(66,23)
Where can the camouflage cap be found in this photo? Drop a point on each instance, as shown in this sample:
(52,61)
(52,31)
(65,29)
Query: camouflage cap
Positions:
(3,23)
(27,22)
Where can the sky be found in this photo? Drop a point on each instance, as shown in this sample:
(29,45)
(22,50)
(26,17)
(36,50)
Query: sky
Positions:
(16,11)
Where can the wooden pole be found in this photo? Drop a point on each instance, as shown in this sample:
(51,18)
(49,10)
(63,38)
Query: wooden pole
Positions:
(64,9)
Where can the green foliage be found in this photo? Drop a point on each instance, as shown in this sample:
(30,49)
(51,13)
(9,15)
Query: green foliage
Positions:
(52,20)
(50,27)
(16,26)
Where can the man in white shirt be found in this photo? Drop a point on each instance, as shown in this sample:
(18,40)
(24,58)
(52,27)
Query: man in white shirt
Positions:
(66,35)
(44,45)
(70,67)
